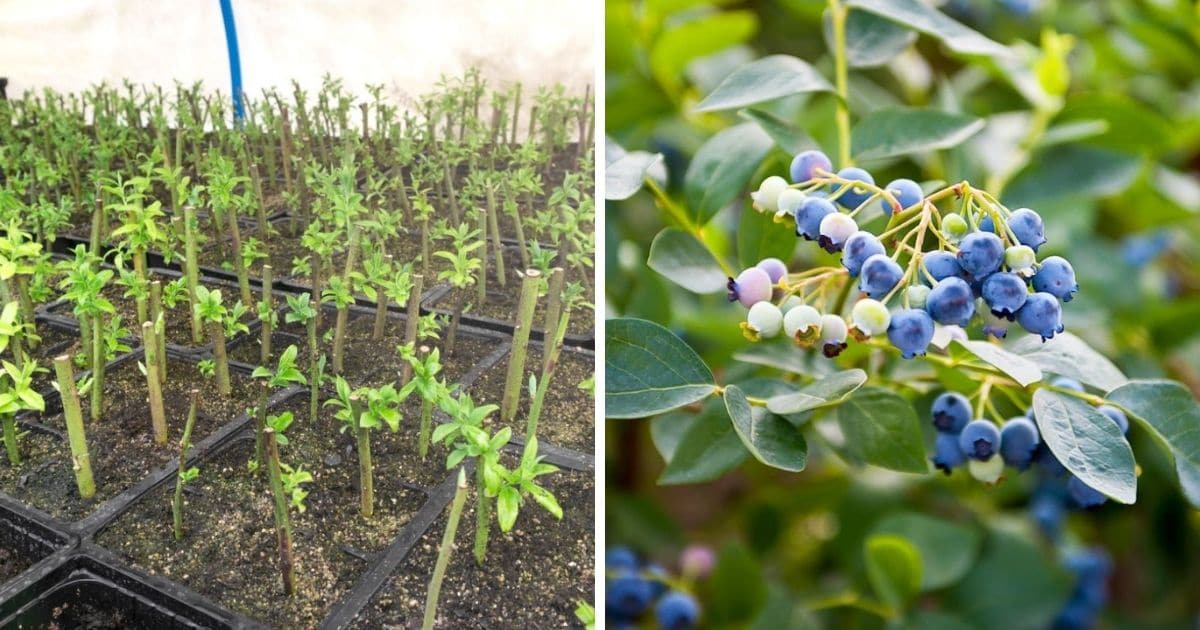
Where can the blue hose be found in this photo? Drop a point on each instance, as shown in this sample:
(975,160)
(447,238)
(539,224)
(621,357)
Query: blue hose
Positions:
(235,62)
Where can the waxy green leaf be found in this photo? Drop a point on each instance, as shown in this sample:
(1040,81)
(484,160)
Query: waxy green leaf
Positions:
(648,370)
(1087,443)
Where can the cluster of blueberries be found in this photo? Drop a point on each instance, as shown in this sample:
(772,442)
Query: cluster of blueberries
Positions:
(633,589)
(1091,569)
(981,275)
(986,449)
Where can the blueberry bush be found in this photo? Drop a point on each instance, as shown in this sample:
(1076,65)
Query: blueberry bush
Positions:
(902,302)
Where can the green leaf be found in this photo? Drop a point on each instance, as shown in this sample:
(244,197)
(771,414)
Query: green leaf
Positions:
(762,80)
(1089,444)
(902,131)
(870,40)
(648,370)
(769,438)
(738,588)
(1168,410)
(947,549)
(1092,172)
(624,176)
(920,17)
(827,391)
(1021,369)
(708,448)
(893,568)
(721,168)
(759,237)
(1070,356)
(685,261)
(1012,574)
(788,137)
(508,503)
(881,428)
(677,47)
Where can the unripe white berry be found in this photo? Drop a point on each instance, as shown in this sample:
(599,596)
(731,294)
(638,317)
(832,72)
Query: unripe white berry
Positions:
(767,197)
(989,471)
(765,318)
(871,317)
(789,199)
(837,227)
(833,329)
(801,319)
(917,295)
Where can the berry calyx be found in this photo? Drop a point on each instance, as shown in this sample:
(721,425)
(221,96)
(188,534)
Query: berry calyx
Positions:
(802,324)
(979,440)
(951,412)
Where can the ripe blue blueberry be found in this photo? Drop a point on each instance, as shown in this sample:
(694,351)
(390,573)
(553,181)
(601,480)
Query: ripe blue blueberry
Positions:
(855,197)
(1027,226)
(806,165)
(658,577)
(628,596)
(910,330)
(1018,441)
(986,224)
(879,275)
(750,287)
(1005,294)
(860,246)
(1083,494)
(774,267)
(1047,511)
(677,611)
(946,453)
(940,265)
(951,412)
(620,558)
(907,193)
(980,254)
(809,216)
(834,230)
(1041,315)
(1048,462)
(951,302)
(979,440)
(1117,416)
(1056,277)
(1067,383)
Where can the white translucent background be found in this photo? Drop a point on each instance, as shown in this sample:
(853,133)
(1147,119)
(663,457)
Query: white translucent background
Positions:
(404,44)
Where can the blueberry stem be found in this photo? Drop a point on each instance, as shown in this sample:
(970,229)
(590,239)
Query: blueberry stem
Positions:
(665,202)
(837,14)
(851,600)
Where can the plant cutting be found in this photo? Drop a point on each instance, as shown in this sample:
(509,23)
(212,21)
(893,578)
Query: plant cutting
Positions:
(301,311)
(285,374)
(287,491)
(183,474)
(362,410)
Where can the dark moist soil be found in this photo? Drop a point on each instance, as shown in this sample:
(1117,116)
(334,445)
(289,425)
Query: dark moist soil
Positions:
(568,412)
(281,250)
(229,552)
(178,320)
(121,444)
(367,362)
(13,562)
(502,304)
(55,341)
(533,577)
(77,611)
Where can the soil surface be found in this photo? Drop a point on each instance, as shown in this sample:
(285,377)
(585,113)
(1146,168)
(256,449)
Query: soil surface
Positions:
(121,444)
(568,412)
(229,552)
(13,562)
(533,577)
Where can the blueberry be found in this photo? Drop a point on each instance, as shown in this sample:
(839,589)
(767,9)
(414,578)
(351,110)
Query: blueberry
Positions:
(763,320)
(940,265)
(988,471)
(1020,258)
(789,200)
(620,558)
(910,330)
(980,254)
(628,596)
(951,412)
(1047,511)
(907,193)
(834,230)
(955,226)
(1068,383)
(1041,315)
(774,267)
(1056,277)
(677,611)
(1048,462)
(918,295)
(806,165)
(854,196)
(1117,416)
(791,302)
(1027,226)
(860,246)
(986,224)
(697,561)
(809,216)
(946,453)
(833,335)
(659,579)
(767,197)
(802,324)
(1018,441)
(750,287)
(951,302)
(1083,494)
(1005,294)
(879,275)
(870,317)
(980,440)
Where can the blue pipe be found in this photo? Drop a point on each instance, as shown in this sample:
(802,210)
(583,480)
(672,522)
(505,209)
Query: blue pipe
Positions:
(235,62)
